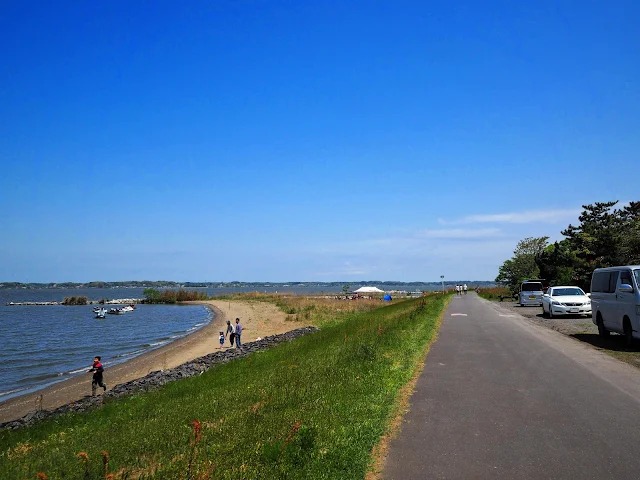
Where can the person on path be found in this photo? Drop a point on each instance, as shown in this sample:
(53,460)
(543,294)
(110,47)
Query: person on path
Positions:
(97,369)
(464,287)
(457,289)
(221,339)
(238,333)
(231,331)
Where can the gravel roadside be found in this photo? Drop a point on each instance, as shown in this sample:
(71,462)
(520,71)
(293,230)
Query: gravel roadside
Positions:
(568,325)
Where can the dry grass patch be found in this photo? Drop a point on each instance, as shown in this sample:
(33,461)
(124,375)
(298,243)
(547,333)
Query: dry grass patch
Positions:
(314,310)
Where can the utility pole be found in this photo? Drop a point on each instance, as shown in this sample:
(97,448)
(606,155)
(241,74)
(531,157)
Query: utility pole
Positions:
(442,278)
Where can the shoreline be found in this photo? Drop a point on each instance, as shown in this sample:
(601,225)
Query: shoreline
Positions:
(167,356)
(119,360)
(258,319)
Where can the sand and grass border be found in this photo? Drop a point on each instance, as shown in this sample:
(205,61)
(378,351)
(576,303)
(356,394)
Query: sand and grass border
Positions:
(401,406)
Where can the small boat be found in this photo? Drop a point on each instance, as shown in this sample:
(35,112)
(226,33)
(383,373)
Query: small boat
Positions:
(115,311)
(100,313)
(126,309)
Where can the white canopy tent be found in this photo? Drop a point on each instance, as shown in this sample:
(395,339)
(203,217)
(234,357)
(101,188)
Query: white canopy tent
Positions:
(368,290)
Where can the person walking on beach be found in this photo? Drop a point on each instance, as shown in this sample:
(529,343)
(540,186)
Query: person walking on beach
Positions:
(238,333)
(97,369)
(231,331)
(221,339)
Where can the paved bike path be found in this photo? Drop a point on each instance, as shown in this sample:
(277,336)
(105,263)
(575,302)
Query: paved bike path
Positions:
(502,398)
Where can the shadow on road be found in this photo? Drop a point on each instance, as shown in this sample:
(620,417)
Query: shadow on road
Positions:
(614,343)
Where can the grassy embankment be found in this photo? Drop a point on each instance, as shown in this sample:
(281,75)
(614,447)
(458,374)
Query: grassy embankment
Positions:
(313,408)
(495,293)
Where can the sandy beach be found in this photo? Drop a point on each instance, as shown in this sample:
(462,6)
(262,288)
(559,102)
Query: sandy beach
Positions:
(259,319)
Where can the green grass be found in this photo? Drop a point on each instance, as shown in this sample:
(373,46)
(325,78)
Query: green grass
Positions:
(313,408)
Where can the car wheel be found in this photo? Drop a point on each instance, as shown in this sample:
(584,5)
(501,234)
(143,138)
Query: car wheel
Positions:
(628,333)
(602,331)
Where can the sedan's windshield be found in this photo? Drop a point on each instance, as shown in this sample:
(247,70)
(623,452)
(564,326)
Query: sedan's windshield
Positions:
(562,292)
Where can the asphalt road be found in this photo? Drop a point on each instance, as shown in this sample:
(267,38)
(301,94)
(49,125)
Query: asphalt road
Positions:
(503,398)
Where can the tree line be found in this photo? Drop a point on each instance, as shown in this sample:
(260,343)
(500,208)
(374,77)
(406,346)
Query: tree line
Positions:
(606,236)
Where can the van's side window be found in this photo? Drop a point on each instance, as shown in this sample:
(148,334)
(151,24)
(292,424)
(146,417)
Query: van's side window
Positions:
(625,277)
(601,281)
(613,280)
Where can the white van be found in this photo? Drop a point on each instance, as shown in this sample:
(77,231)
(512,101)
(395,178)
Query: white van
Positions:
(615,301)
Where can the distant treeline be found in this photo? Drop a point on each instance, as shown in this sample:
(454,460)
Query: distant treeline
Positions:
(128,284)
(236,284)
(362,283)
(151,295)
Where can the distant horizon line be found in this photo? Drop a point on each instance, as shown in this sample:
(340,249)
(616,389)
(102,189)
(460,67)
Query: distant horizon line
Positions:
(211,282)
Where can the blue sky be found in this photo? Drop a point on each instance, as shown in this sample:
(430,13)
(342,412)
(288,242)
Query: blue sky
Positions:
(277,141)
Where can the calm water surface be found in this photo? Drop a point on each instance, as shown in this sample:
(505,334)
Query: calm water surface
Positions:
(41,345)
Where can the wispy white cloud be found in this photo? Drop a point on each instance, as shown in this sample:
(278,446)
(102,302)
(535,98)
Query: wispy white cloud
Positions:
(420,236)
(347,270)
(527,216)
(462,247)
(459,233)
(415,254)
(416,240)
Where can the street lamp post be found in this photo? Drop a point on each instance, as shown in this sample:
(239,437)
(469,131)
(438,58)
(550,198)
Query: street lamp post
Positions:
(442,278)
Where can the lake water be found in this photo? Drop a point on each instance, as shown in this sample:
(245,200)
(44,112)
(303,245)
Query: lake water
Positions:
(41,345)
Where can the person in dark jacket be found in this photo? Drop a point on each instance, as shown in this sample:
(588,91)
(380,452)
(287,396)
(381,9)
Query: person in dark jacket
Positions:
(97,369)
(231,331)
